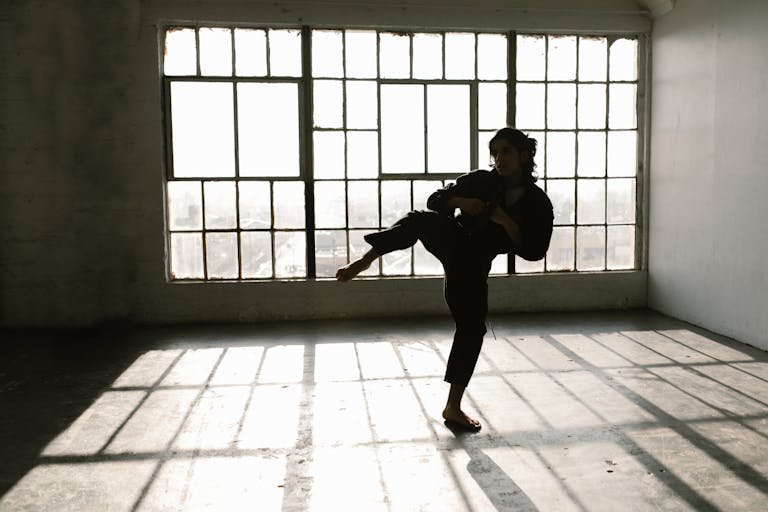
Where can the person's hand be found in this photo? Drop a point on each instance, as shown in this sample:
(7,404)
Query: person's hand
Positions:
(499,216)
(470,205)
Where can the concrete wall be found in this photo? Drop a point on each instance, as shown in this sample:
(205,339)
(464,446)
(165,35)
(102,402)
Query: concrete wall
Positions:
(709,167)
(81,209)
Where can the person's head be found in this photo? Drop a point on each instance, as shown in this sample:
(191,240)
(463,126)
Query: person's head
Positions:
(512,154)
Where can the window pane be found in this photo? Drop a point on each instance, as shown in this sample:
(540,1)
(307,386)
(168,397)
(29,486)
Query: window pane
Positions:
(561,106)
(362,107)
(624,59)
(621,247)
(422,189)
(185,206)
(250,52)
(531,62)
(327,53)
(362,154)
(621,201)
(220,208)
(255,206)
(427,56)
(491,57)
(358,246)
(492,106)
(330,205)
(402,128)
(289,204)
(395,201)
(459,55)
(561,155)
(622,153)
(591,248)
(180,56)
(328,104)
(202,116)
(290,254)
(499,265)
(256,250)
(397,263)
(221,255)
(285,52)
(530,106)
(560,253)
(360,48)
(593,58)
(268,120)
(448,128)
(622,110)
(526,267)
(187,256)
(329,154)
(592,106)
(330,252)
(424,263)
(363,204)
(215,51)
(483,153)
(394,55)
(591,203)
(541,152)
(591,154)
(563,197)
(561,64)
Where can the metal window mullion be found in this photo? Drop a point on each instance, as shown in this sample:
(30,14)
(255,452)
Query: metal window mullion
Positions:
(204,233)
(344,131)
(413,252)
(442,42)
(474,96)
(425,107)
(198,71)
(273,240)
(168,132)
(511,109)
(307,170)
(235,117)
(642,136)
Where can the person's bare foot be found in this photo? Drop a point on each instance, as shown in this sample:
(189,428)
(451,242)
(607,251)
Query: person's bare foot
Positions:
(458,417)
(350,271)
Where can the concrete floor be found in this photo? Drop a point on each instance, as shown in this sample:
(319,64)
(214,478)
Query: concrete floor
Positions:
(599,411)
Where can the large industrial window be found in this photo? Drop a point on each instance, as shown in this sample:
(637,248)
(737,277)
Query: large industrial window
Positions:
(286,146)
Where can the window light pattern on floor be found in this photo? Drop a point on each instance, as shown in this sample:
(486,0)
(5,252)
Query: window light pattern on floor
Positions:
(571,421)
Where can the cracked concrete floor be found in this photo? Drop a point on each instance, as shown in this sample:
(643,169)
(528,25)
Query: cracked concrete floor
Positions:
(597,411)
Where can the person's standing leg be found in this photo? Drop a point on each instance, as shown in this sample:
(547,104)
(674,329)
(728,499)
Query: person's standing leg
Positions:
(466,292)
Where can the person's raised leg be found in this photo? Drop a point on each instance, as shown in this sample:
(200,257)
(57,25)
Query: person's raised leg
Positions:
(351,271)
(435,231)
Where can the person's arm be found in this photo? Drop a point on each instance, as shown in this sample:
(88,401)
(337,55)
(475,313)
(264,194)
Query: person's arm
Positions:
(511,228)
(462,195)
(470,205)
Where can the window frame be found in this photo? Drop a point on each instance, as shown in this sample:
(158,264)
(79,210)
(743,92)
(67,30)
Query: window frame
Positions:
(306,129)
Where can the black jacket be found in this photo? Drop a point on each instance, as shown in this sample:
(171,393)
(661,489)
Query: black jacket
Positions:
(532,212)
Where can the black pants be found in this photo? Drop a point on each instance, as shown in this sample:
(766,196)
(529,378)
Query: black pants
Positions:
(466,280)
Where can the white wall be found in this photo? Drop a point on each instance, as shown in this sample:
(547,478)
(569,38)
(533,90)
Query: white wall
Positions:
(709,167)
(81,165)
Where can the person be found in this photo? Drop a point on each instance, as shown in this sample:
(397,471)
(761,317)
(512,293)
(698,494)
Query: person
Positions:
(501,211)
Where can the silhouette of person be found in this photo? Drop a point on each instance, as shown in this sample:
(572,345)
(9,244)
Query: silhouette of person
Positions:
(501,211)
